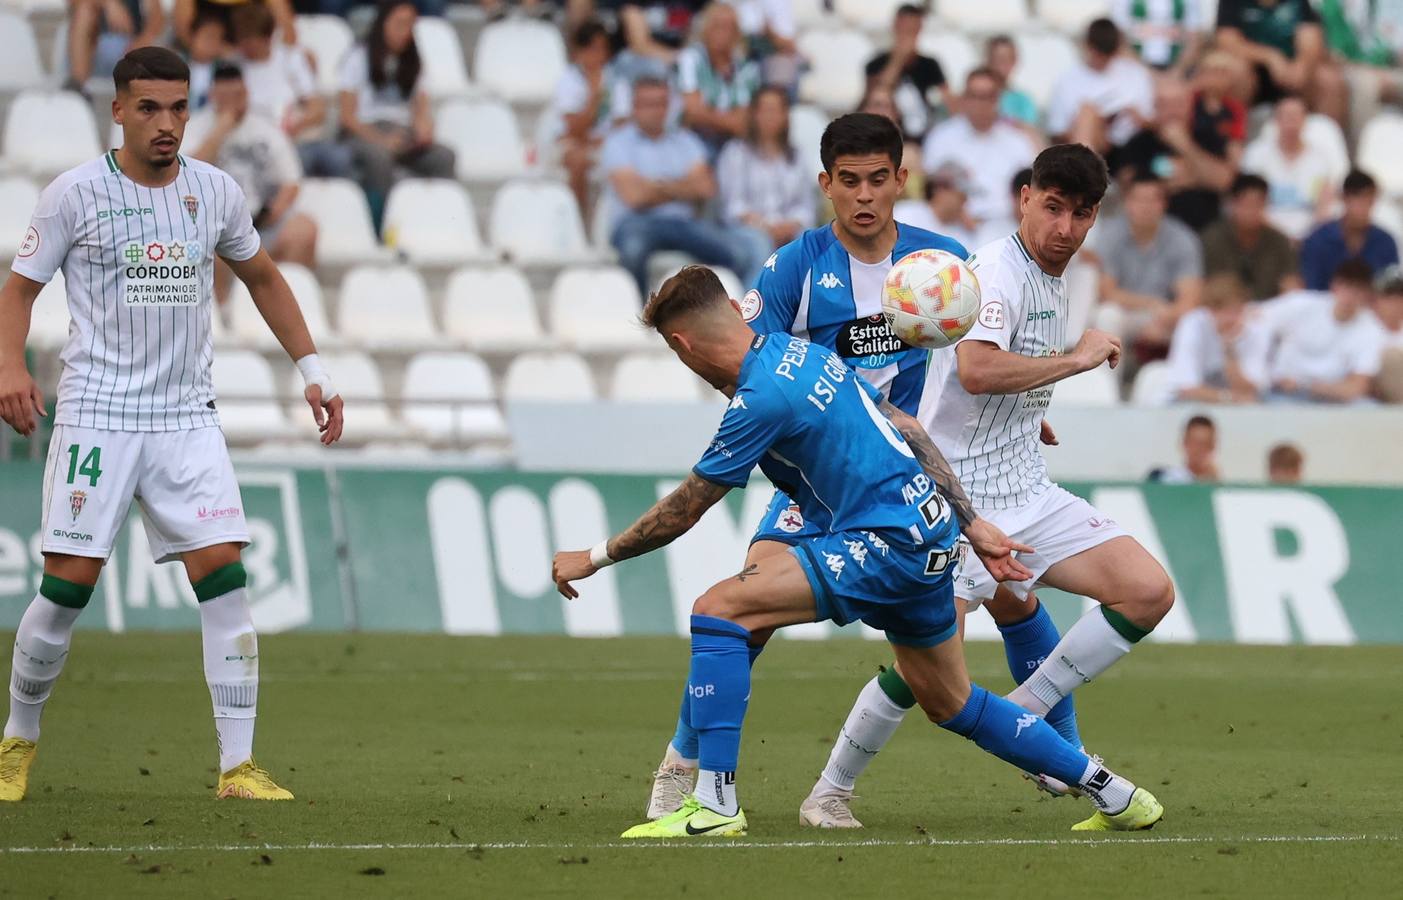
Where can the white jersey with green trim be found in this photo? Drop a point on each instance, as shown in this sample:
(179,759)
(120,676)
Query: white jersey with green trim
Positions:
(138,268)
(991,440)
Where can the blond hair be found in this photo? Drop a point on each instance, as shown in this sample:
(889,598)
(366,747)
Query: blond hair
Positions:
(692,289)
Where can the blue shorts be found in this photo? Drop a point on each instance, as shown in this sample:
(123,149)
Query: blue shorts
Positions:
(783,522)
(878,577)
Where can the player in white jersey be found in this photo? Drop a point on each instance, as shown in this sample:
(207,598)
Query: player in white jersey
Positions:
(984,409)
(135,234)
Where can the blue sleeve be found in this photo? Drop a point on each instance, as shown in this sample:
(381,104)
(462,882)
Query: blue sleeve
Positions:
(615,154)
(1313,263)
(693,150)
(755,420)
(772,303)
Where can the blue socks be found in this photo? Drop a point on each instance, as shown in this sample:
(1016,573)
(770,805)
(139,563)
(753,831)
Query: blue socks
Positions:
(684,739)
(718,690)
(1016,736)
(1027,644)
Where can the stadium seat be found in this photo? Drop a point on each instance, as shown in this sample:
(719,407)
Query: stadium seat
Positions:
(835,80)
(1379,144)
(1042,59)
(357,379)
(445,73)
(448,398)
(538,222)
(1389,217)
(17,199)
(49,132)
(596,309)
(806,125)
(431,220)
(812,14)
(560,377)
(387,308)
(327,38)
(519,60)
(1097,387)
(19,54)
(247,327)
(870,15)
(956,53)
(1151,387)
(247,397)
(345,235)
(48,317)
(485,137)
(653,378)
(492,310)
(1072,16)
(983,16)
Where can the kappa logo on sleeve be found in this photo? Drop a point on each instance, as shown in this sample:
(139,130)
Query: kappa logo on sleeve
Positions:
(991,315)
(751,305)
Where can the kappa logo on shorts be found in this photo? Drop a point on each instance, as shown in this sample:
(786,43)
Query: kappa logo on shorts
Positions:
(877,543)
(790,520)
(858,551)
(76,499)
(836,563)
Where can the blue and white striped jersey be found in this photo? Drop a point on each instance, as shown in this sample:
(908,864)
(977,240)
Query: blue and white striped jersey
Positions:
(812,288)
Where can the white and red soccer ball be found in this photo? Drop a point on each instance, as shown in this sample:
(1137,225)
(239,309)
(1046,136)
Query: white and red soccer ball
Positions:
(930,299)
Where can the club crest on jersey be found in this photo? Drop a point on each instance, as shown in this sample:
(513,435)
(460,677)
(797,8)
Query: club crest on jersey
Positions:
(192,206)
(76,500)
(790,520)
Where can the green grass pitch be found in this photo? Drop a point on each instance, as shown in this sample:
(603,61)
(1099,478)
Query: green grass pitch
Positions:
(437,766)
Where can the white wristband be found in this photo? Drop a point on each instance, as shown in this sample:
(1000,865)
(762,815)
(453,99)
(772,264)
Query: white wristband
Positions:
(312,373)
(599,555)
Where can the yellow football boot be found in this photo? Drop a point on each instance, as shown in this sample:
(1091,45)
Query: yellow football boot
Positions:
(247,781)
(16,754)
(692,820)
(1142,813)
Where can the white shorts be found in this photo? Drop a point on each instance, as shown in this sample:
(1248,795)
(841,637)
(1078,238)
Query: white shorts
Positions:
(183,480)
(1057,524)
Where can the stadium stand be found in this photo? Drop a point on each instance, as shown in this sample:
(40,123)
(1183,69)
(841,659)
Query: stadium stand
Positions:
(465,411)
(431,221)
(493,311)
(558,377)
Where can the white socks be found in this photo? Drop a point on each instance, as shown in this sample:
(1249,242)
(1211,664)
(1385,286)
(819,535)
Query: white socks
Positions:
(1089,648)
(231,669)
(1106,789)
(869,726)
(41,647)
(717,791)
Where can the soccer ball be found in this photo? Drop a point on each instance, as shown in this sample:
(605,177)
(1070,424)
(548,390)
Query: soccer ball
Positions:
(930,299)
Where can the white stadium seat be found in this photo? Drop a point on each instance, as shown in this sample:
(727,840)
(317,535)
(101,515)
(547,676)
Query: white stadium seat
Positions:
(485,137)
(1389,217)
(1379,145)
(806,125)
(246,397)
(327,38)
(1151,386)
(956,53)
(871,15)
(358,380)
(345,235)
(519,60)
(1097,387)
(246,325)
(1072,16)
(48,317)
(983,16)
(448,397)
(492,310)
(558,377)
(1042,60)
(596,309)
(653,378)
(812,14)
(49,132)
(387,308)
(19,54)
(445,74)
(538,222)
(431,220)
(835,80)
(17,199)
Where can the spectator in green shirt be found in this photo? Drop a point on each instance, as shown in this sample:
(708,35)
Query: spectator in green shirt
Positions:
(1285,45)
(1368,36)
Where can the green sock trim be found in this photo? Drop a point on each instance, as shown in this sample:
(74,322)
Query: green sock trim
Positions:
(221,581)
(1123,626)
(895,687)
(65,593)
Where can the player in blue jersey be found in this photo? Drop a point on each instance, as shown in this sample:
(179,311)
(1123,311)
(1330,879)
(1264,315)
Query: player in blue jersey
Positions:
(881,550)
(826,286)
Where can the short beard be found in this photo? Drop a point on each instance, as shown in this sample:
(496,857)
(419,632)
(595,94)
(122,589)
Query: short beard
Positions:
(162,163)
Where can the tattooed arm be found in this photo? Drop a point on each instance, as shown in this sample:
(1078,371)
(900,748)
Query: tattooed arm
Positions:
(934,462)
(670,518)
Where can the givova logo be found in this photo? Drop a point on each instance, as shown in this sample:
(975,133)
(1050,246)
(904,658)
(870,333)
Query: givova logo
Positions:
(125,211)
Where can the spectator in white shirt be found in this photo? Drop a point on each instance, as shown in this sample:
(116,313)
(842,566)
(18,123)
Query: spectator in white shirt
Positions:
(1326,347)
(1200,446)
(585,105)
(1302,176)
(1388,307)
(1106,98)
(762,185)
(987,150)
(943,210)
(1217,355)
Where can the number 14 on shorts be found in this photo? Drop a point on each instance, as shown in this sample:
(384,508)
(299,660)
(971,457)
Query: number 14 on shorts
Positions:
(90,467)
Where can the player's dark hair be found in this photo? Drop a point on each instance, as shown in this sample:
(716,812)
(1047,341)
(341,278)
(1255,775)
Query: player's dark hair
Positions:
(860,134)
(1249,181)
(408,64)
(1359,182)
(1353,272)
(586,33)
(1103,37)
(1199,421)
(910,9)
(1285,456)
(752,135)
(1145,176)
(149,64)
(1073,170)
(252,20)
(227,71)
(1021,179)
(693,288)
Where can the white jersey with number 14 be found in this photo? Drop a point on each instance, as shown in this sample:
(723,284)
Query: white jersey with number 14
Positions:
(138,266)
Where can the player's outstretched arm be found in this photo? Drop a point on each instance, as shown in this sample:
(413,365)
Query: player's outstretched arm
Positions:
(21,401)
(670,518)
(985,368)
(279,309)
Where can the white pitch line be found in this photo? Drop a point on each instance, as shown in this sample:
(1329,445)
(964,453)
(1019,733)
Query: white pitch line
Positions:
(725,844)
